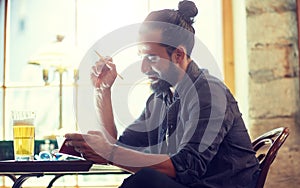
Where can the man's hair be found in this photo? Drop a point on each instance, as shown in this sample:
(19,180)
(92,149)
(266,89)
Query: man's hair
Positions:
(176,26)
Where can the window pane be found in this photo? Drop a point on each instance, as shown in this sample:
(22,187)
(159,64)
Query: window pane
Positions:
(1,115)
(98,18)
(2,14)
(45,102)
(33,25)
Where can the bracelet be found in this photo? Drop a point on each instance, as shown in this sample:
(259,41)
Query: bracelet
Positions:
(112,153)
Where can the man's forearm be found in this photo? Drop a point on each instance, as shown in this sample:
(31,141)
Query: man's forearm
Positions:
(133,161)
(105,113)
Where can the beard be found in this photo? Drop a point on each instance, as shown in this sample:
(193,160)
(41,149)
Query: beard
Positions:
(167,80)
(160,86)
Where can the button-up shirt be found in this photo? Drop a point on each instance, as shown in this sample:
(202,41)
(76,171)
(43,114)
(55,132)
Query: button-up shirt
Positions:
(200,127)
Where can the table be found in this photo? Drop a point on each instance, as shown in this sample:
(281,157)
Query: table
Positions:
(27,169)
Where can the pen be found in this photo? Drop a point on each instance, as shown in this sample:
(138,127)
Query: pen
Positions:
(102,58)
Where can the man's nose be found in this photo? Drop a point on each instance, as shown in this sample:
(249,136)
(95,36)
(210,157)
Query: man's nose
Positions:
(146,67)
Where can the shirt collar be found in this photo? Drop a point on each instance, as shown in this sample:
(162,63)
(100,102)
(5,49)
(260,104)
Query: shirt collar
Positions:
(192,73)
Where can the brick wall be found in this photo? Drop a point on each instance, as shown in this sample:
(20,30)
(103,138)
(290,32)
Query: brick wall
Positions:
(274,81)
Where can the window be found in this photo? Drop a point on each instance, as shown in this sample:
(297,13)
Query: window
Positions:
(2,21)
(33,25)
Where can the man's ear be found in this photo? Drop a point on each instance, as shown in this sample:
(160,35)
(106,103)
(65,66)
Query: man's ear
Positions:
(179,54)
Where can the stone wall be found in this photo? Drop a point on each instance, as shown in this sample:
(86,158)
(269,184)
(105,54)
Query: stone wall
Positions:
(274,81)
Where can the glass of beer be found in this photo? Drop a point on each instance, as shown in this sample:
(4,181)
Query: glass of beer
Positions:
(23,131)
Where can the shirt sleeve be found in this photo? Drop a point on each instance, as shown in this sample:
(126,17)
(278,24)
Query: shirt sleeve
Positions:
(136,135)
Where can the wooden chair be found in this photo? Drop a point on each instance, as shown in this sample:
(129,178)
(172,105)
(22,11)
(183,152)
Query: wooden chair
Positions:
(266,147)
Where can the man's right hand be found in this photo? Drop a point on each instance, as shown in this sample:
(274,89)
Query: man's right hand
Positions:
(103,73)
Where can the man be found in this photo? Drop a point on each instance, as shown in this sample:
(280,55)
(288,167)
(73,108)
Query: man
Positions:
(190,134)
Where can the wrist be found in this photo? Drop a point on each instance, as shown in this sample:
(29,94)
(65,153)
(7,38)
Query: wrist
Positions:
(102,92)
(113,150)
(101,88)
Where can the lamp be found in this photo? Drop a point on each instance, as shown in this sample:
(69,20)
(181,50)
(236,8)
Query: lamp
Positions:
(58,56)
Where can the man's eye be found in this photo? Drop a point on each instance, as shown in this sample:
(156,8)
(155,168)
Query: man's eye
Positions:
(150,58)
(153,58)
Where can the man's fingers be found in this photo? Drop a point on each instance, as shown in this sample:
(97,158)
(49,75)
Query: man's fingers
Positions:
(98,133)
(73,136)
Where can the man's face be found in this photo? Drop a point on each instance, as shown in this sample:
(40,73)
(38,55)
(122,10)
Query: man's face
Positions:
(156,63)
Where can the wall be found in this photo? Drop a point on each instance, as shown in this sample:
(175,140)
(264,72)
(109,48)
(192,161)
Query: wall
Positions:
(274,81)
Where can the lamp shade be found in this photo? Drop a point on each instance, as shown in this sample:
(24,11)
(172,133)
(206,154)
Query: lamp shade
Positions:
(58,54)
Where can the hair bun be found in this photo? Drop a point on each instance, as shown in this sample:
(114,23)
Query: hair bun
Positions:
(188,10)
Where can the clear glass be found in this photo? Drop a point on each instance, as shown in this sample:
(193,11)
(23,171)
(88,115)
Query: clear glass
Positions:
(32,26)
(98,18)
(44,101)
(23,131)
(2,135)
(2,14)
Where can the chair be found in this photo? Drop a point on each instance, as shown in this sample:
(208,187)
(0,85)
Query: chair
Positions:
(266,147)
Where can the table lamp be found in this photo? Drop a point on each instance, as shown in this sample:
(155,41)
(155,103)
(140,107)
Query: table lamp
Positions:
(57,56)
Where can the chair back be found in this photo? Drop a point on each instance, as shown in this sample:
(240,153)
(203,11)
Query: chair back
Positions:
(266,147)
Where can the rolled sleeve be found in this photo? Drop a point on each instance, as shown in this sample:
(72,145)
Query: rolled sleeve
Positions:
(187,170)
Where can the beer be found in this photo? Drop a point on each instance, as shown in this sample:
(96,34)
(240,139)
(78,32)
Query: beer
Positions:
(23,141)
(23,130)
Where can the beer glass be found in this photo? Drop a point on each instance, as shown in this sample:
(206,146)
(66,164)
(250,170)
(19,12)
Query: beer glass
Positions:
(23,131)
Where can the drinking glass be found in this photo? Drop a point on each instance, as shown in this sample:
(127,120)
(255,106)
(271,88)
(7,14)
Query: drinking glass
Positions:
(24,134)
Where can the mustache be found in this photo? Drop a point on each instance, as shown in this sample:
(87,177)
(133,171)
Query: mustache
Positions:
(152,73)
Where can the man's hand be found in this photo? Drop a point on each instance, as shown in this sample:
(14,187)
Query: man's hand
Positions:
(93,146)
(103,73)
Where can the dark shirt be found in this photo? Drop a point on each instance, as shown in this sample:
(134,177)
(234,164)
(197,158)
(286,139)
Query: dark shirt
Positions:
(200,127)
